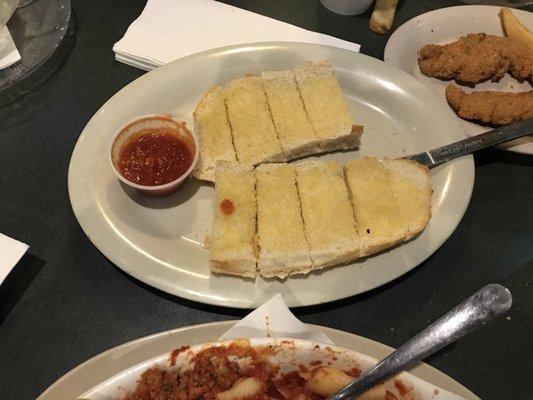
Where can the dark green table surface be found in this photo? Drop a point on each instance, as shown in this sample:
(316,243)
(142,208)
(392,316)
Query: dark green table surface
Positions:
(65,302)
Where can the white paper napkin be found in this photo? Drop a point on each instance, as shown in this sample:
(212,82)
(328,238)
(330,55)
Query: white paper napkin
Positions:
(8,51)
(170,29)
(274,319)
(11,251)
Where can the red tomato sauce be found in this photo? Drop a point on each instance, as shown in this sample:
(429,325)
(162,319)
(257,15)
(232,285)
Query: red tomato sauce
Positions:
(215,370)
(154,157)
(227,207)
(175,353)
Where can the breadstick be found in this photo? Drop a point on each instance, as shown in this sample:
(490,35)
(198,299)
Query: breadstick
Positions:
(383,16)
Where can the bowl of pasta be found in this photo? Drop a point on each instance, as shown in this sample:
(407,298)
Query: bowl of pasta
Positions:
(265,368)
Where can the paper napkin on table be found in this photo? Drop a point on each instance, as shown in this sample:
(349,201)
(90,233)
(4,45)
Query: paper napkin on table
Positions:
(274,319)
(8,51)
(170,29)
(11,251)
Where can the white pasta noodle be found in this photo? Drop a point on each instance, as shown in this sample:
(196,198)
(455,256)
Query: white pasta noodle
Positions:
(376,393)
(325,381)
(243,388)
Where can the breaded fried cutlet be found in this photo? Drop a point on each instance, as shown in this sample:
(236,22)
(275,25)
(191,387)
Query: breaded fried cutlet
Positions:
(491,107)
(476,58)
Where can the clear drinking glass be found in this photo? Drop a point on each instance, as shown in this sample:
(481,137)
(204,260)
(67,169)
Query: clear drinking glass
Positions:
(7,8)
(37,27)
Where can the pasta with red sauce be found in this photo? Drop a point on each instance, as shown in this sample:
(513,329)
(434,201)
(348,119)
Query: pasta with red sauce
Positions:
(216,375)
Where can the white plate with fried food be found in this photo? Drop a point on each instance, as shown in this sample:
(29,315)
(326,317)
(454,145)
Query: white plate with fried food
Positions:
(160,241)
(448,25)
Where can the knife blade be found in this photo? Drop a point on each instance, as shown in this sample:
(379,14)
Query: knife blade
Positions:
(440,155)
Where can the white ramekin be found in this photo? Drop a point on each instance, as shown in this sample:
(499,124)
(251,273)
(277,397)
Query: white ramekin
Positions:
(150,122)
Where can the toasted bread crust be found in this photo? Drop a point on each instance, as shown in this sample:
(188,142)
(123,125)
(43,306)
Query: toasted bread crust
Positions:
(418,176)
(277,117)
(401,191)
(327,214)
(233,250)
(295,132)
(326,218)
(283,247)
(325,105)
(212,127)
(254,135)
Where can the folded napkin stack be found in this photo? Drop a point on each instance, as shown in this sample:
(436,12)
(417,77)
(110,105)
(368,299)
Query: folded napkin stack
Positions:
(170,29)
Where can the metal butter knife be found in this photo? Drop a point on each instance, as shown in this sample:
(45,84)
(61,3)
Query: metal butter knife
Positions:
(440,155)
(487,303)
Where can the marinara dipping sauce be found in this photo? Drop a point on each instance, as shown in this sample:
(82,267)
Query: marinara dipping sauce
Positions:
(154,157)
(153,152)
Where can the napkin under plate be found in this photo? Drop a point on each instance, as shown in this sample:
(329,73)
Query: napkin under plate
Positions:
(11,251)
(9,54)
(274,319)
(170,29)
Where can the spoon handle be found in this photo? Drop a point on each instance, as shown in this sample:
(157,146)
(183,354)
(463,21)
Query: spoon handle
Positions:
(440,155)
(487,303)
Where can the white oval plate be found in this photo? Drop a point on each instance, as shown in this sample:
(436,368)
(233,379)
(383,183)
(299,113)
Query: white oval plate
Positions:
(447,25)
(108,374)
(159,240)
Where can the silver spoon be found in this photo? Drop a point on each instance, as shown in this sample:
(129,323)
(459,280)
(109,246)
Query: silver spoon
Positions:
(440,155)
(487,303)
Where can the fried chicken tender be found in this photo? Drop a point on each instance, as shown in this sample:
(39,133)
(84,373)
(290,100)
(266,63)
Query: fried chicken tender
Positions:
(476,58)
(490,107)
